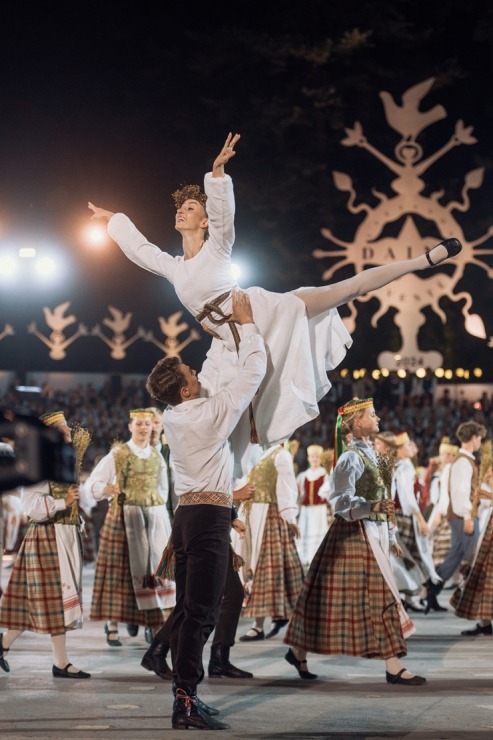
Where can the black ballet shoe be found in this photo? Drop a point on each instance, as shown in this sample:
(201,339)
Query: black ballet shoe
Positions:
(413,681)
(453,247)
(133,630)
(293,660)
(258,636)
(112,641)
(3,663)
(65,673)
(410,607)
(277,625)
(478,630)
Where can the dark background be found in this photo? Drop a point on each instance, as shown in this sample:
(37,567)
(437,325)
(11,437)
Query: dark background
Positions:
(121,105)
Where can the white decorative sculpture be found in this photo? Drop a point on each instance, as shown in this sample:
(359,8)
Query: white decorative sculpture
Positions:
(57,341)
(118,324)
(171,329)
(411,294)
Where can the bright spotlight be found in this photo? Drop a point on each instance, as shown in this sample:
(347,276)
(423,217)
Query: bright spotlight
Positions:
(96,235)
(7,265)
(45,266)
(27,252)
(236,270)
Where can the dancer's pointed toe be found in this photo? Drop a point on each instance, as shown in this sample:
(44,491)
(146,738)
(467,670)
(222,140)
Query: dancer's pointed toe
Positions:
(451,246)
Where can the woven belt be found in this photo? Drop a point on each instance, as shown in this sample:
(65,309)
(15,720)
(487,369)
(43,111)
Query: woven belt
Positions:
(213,498)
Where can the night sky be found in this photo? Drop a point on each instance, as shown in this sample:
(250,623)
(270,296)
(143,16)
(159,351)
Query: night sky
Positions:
(122,105)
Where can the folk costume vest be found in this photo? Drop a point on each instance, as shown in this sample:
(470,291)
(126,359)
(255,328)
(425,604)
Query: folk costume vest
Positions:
(474,483)
(370,486)
(137,478)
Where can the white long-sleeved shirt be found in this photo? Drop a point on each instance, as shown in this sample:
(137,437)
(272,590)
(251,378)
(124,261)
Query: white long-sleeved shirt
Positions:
(286,488)
(105,472)
(37,503)
(403,483)
(343,499)
(461,474)
(198,430)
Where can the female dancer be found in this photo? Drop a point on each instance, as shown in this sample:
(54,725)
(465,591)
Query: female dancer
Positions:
(349,603)
(303,332)
(44,593)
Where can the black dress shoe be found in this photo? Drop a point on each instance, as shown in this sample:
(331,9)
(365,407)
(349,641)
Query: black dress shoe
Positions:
(259,635)
(414,681)
(187,713)
(3,663)
(133,630)
(478,630)
(433,605)
(453,247)
(277,625)
(65,673)
(211,711)
(220,665)
(112,641)
(155,660)
(293,660)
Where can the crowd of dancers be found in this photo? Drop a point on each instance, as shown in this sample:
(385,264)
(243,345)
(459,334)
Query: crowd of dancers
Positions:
(210,522)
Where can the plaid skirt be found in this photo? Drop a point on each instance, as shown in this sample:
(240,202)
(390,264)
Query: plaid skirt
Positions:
(441,542)
(279,572)
(345,606)
(113,595)
(474,600)
(33,597)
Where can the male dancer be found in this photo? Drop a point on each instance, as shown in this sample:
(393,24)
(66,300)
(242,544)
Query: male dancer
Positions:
(198,430)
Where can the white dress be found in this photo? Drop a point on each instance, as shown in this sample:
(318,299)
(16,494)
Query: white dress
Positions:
(300,351)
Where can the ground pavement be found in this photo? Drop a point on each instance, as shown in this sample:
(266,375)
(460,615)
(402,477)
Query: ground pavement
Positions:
(349,700)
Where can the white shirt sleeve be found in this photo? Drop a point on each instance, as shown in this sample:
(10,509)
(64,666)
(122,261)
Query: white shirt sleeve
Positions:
(103,473)
(37,503)
(138,249)
(460,487)
(286,488)
(162,483)
(220,208)
(348,470)
(404,480)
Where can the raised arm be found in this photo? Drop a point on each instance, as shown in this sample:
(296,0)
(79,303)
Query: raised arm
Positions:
(226,153)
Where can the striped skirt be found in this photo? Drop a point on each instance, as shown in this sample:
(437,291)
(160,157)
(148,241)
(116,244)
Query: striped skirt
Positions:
(345,606)
(279,573)
(33,599)
(113,596)
(441,542)
(475,599)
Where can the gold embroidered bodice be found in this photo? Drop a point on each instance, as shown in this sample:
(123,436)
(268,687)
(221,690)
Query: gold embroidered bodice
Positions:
(137,478)
(69,515)
(264,476)
(370,486)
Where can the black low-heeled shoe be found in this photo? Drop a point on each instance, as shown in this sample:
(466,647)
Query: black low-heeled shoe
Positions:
(133,630)
(277,625)
(413,681)
(111,640)
(65,673)
(259,635)
(293,660)
(3,663)
(453,247)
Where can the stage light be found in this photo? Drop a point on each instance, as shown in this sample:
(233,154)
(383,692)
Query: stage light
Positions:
(27,252)
(96,235)
(420,372)
(45,266)
(449,374)
(439,372)
(385,372)
(236,270)
(477,372)
(375,374)
(8,265)
(460,372)
(401,373)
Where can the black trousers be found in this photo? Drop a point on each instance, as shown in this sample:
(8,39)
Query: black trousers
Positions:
(201,541)
(229,613)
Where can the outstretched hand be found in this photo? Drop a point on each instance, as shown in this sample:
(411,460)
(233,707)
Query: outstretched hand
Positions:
(99,212)
(226,153)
